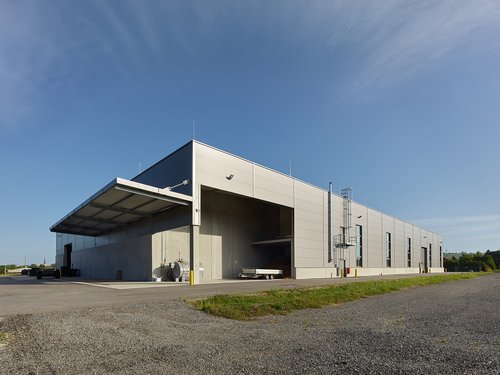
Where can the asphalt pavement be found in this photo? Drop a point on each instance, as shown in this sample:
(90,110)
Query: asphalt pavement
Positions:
(27,295)
(449,328)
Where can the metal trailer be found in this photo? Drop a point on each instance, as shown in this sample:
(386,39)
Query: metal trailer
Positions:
(260,273)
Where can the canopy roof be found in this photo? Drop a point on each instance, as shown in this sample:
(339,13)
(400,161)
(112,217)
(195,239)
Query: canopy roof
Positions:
(118,203)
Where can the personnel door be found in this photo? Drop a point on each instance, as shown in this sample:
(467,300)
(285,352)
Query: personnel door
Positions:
(424,261)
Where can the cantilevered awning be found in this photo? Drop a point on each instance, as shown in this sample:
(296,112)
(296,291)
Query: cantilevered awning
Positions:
(118,203)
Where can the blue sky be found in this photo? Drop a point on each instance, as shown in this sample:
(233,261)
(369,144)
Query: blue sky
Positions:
(398,99)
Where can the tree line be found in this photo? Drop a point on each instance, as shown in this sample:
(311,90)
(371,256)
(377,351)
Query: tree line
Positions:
(4,268)
(488,261)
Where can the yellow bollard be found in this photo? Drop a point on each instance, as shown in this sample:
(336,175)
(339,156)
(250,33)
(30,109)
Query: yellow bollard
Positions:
(191,278)
(356,272)
(341,273)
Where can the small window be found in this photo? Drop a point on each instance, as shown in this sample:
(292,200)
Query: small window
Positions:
(388,249)
(409,252)
(359,246)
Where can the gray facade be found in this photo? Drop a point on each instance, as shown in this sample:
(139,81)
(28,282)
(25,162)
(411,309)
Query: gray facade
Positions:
(237,214)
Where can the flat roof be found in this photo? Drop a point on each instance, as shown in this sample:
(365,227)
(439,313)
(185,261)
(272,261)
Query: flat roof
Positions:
(118,203)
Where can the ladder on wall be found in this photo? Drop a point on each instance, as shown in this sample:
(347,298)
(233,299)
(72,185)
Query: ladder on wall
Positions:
(343,240)
(346,195)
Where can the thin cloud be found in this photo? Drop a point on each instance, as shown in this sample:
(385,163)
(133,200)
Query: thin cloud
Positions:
(378,44)
(26,56)
(463,232)
(404,39)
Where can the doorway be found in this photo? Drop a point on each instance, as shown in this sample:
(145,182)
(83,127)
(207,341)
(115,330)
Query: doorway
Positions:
(68,248)
(423,260)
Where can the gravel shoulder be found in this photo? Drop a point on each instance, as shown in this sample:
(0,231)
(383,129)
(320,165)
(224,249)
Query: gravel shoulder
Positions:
(446,328)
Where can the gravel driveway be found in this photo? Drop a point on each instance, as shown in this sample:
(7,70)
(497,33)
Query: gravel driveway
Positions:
(446,328)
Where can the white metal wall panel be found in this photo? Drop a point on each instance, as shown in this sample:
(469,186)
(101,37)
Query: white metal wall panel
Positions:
(387,227)
(399,244)
(409,234)
(131,257)
(360,217)
(337,212)
(376,256)
(417,244)
(308,225)
(79,243)
(325,232)
(273,187)
(213,168)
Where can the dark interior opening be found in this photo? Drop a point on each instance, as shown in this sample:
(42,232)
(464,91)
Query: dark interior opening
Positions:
(68,248)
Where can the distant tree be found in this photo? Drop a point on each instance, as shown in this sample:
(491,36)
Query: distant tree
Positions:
(489,262)
(467,261)
(450,263)
(496,257)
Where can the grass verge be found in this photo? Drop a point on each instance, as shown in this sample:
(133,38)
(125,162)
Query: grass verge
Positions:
(283,301)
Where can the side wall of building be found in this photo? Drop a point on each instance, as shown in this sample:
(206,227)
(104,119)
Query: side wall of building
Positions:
(169,246)
(230,223)
(128,260)
(132,249)
(220,170)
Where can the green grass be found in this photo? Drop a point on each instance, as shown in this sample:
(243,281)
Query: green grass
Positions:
(3,338)
(284,301)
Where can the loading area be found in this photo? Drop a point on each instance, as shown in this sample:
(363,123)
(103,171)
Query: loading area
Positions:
(239,233)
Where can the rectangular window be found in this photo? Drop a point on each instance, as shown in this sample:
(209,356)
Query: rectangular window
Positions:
(440,256)
(359,246)
(388,248)
(430,255)
(409,252)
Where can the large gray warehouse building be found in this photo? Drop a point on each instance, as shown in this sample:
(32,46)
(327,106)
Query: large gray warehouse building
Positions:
(220,213)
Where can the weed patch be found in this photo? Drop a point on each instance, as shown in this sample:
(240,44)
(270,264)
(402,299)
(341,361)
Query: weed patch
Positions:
(284,301)
(4,337)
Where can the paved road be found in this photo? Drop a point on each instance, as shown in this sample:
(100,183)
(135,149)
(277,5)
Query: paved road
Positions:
(27,295)
(450,328)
